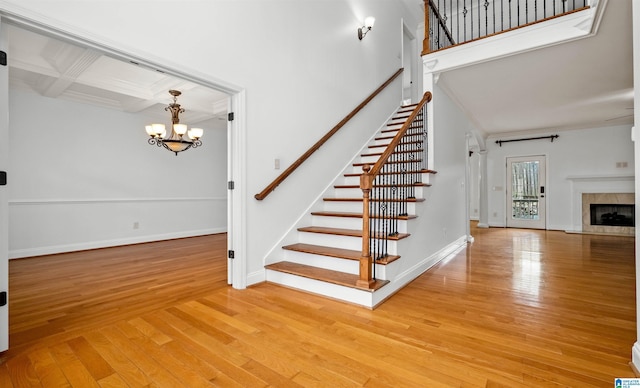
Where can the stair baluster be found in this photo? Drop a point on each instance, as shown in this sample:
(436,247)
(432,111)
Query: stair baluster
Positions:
(387,185)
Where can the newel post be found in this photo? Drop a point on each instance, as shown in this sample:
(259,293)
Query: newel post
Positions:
(366,278)
(425,42)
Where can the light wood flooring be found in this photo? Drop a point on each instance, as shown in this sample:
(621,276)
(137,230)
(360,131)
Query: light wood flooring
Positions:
(517,308)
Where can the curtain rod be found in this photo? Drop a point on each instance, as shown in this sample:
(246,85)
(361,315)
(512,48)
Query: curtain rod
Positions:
(528,138)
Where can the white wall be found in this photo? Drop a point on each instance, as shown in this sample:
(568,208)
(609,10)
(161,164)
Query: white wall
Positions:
(584,152)
(81,176)
(299,62)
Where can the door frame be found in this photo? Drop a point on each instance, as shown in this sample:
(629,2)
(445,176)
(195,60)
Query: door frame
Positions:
(409,58)
(236,160)
(543,182)
(4,192)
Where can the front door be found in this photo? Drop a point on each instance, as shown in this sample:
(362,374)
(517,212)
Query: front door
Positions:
(526,192)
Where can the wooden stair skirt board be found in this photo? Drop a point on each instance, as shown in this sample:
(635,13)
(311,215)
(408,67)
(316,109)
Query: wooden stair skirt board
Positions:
(326,257)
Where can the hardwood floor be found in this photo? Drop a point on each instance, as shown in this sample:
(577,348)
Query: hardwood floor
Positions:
(517,308)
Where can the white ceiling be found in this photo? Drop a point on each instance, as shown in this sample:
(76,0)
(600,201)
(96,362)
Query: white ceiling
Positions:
(580,84)
(58,69)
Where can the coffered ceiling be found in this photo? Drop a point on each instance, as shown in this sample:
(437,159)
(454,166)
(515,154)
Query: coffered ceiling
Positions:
(58,69)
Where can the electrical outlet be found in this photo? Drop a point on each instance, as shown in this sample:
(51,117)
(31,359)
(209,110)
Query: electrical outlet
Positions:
(136,225)
(276,164)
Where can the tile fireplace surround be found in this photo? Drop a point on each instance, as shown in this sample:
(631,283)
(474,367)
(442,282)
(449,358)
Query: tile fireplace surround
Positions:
(605,198)
(587,189)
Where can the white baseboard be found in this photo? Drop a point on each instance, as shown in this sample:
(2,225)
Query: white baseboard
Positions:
(50,250)
(635,356)
(256,277)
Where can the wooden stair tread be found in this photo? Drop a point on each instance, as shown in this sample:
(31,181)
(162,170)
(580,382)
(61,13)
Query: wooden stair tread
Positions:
(374,200)
(338,253)
(326,275)
(334,231)
(354,215)
(346,232)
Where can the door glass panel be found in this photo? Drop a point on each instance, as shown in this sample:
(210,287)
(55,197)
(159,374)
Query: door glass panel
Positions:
(525,190)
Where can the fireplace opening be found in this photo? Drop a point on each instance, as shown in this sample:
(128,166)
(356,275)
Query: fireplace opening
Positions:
(613,214)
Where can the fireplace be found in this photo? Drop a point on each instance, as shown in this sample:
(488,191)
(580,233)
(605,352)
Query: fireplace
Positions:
(612,214)
(608,213)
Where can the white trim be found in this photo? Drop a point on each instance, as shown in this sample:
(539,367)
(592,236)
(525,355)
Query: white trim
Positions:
(4,192)
(56,201)
(238,196)
(256,277)
(595,178)
(53,249)
(635,355)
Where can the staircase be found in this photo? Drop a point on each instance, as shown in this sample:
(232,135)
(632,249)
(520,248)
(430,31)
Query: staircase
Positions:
(327,255)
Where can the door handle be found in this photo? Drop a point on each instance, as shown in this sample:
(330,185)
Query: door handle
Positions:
(541,191)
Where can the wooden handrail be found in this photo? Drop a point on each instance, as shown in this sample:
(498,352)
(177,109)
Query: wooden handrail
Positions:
(276,182)
(369,173)
(398,138)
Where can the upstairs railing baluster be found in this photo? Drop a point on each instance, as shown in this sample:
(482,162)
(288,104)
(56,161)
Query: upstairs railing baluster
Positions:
(446,20)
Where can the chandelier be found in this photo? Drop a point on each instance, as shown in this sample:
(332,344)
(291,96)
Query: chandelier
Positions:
(174,139)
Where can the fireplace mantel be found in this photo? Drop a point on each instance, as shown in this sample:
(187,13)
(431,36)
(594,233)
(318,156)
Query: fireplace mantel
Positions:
(598,178)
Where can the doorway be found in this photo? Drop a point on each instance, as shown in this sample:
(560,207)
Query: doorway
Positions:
(410,92)
(235,101)
(526,192)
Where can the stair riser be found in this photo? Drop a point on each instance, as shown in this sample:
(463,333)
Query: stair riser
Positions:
(326,262)
(349,223)
(351,295)
(353,207)
(337,222)
(353,193)
(368,159)
(344,242)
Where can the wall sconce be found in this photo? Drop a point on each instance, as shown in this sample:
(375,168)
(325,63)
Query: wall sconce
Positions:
(368,24)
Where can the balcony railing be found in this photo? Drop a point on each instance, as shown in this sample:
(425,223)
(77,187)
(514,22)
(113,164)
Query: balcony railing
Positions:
(452,22)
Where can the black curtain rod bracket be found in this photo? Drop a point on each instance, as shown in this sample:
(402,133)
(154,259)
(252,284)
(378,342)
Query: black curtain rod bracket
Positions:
(528,138)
